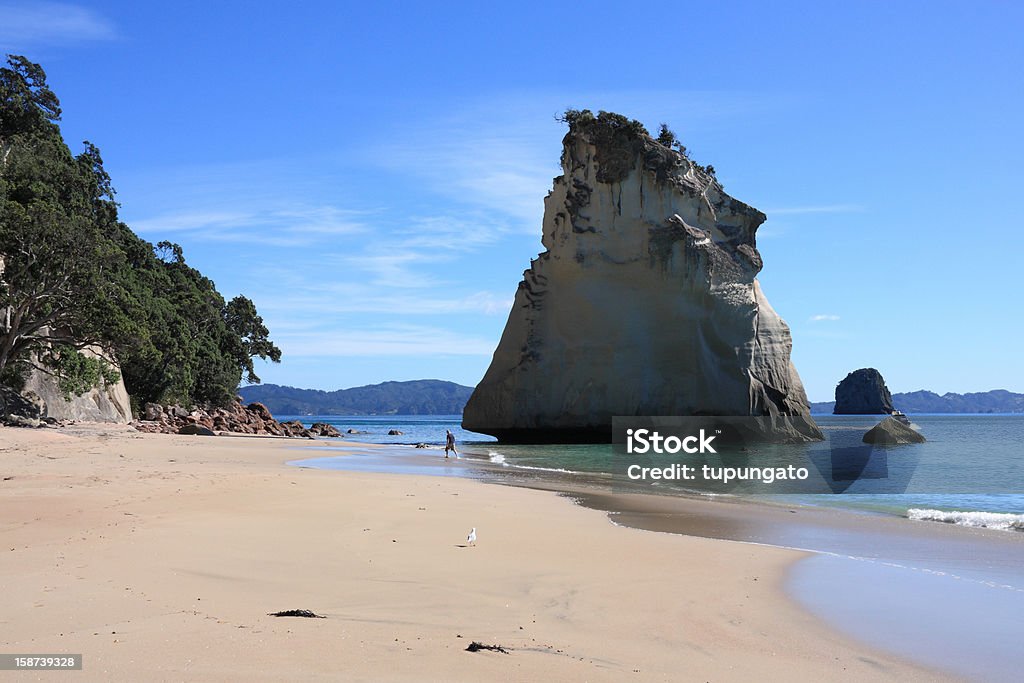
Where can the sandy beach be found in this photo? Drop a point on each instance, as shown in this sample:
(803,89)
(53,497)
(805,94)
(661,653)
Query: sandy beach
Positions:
(159,558)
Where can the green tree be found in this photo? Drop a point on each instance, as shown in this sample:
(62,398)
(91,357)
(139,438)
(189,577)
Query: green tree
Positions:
(249,337)
(666,137)
(73,275)
(53,207)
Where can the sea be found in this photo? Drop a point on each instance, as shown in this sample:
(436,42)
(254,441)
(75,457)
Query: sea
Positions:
(969,472)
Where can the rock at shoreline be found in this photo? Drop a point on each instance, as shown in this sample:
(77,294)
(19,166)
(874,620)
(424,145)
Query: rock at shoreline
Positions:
(394,432)
(890,432)
(196,430)
(324,429)
(863,392)
(645,302)
(237,418)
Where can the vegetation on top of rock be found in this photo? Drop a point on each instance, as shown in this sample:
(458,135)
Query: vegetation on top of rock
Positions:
(610,121)
(72,275)
(619,140)
(667,138)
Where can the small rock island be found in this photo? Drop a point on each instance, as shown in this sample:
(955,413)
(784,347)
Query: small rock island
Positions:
(645,301)
(863,392)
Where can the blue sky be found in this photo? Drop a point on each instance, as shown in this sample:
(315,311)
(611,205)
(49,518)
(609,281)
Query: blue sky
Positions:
(372,174)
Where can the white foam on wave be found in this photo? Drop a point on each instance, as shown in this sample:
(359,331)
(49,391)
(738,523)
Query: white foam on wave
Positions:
(1003,521)
(499,459)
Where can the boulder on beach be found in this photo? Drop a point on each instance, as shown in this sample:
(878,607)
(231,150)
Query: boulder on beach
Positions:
(260,411)
(152,412)
(22,405)
(891,432)
(196,430)
(20,421)
(294,428)
(863,392)
(324,429)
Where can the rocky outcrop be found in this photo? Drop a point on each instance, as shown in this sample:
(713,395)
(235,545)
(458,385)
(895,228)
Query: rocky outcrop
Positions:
(324,429)
(20,410)
(237,418)
(105,403)
(890,432)
(863,392)
(645,302)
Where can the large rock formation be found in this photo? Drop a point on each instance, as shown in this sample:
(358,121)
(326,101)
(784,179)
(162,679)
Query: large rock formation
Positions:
(105,403)
(863,392)
(644,303)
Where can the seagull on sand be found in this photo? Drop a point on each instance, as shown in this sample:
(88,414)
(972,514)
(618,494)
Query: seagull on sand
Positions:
(471,539)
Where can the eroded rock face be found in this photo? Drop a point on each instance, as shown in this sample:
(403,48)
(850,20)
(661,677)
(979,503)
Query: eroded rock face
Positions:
(863,392)
(105,403)
(644,303)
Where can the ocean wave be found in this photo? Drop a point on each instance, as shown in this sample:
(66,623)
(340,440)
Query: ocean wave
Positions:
(1003,521)
(499,459)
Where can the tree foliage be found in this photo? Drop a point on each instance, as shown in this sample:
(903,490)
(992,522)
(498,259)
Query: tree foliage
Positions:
(72,275)
(618,140)
(666,137)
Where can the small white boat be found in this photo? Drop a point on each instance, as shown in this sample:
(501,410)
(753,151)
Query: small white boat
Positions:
(899,415)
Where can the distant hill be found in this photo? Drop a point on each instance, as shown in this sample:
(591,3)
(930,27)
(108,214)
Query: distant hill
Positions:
(995,401)
(418,397)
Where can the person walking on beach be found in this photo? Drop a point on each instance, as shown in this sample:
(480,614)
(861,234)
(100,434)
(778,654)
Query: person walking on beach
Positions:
(449,444)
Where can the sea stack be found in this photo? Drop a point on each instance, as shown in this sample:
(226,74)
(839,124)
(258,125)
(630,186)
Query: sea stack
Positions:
(645,302)
(863,392)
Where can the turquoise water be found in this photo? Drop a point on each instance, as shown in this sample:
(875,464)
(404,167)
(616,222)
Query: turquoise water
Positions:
(970,463)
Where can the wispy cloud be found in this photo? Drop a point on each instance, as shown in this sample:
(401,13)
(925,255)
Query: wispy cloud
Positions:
(404,340)
(335,299)
(825,208)
(505,175)
(34,24)
(823,317)
(291,226)
(499,153)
